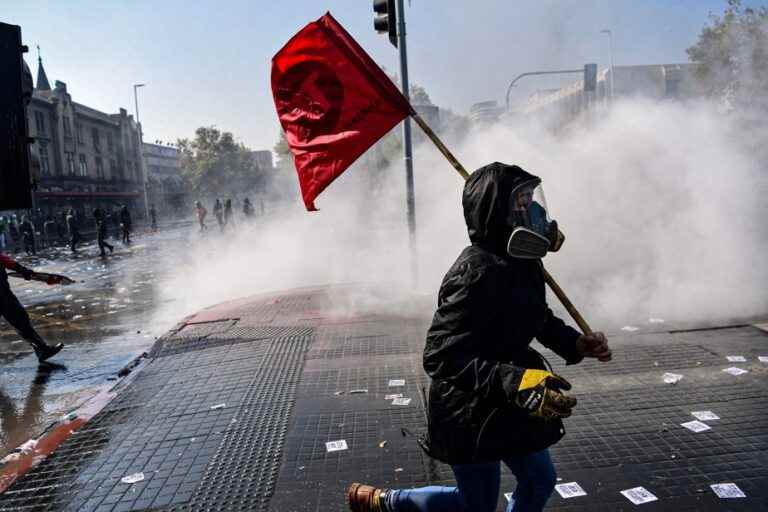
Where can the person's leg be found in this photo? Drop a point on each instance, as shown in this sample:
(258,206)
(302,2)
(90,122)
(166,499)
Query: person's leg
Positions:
(477,490)
(536,479)
(12,310)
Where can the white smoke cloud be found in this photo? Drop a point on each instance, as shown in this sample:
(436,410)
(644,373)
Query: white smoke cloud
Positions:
(662,205)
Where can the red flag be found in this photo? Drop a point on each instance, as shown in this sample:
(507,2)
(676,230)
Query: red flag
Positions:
(333,102)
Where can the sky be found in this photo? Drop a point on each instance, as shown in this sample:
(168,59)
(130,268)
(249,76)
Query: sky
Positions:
(208,63)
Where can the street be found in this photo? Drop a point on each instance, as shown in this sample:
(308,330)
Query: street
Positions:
(102,320)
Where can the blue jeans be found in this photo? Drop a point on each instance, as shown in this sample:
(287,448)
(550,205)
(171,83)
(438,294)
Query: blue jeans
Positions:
(477,488)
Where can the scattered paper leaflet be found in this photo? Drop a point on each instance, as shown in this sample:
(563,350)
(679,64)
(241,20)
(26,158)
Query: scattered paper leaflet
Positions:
(736,359)
(629,328)
(393,383)
(639,495)
(705,415)
(729,490)
(401,401)
(762,359)
(672,378)
(570,490)
(735,371)
(335,446)
(132,479)
(695,426)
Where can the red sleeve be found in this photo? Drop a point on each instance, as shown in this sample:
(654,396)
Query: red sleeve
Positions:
(7,262)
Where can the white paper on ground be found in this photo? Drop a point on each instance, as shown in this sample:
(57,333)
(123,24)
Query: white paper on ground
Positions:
(508,496)
(656,320)
(401,401)
(393,383)
(729,490)
(735,371)
(218,406)
(357,391)
(671,378)
(736,359)
(335,446)
(393,396)
(132,479)
(695,426)
(629,328)
(639,495)
(705,415)
(570,490)
(763,359)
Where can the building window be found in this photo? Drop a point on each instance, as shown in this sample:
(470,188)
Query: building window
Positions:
(99,167)
(110,142)
(79,132)
(40,122)
(96,138)
(70,163)
(45,164)
(112,169)
(83,166)
(67,127)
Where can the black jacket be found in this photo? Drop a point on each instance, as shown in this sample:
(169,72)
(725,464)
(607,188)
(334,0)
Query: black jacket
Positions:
(490,307)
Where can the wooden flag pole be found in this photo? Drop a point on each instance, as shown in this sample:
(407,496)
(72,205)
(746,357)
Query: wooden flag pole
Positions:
(464,174)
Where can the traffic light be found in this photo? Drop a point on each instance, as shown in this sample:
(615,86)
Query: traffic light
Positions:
(385,19)
(15,190)
(590,77)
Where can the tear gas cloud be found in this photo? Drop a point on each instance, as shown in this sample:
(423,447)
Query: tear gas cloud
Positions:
(662,205)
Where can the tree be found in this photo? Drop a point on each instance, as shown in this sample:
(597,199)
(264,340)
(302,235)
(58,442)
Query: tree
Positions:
(732,54)
(214,163)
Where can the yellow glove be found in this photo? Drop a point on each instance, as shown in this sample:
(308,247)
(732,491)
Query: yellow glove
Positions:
(539,394)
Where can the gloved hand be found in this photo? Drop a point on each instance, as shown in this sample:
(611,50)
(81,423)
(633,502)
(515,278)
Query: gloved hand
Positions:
(539,394)
(25,272)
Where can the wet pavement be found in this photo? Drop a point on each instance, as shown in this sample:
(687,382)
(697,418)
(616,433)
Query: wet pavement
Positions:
(277,402)
(103,320)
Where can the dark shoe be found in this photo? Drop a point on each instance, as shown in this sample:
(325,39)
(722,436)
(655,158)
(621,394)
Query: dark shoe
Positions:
(365,498)
(47,351)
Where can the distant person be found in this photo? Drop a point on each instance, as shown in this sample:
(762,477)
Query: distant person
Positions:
(125,224)
(248,210)
(13,229)
(153,218)
(14,313)
(49,229)
(218,212)
(27,229)
(101,232)
(73,229)
(228,212)
(201,212)
(3,230)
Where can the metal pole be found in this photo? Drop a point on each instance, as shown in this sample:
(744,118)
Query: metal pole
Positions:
(610,53)
(141,149)
(536,73)
(407,146)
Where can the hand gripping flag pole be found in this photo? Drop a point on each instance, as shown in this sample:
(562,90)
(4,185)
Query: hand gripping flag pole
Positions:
(334,102)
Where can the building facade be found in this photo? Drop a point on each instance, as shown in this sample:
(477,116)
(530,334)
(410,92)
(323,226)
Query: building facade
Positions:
(166,188)
(82,158)
(559,107)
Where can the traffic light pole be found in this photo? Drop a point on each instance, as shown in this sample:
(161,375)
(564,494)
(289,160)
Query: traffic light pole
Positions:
(407,145)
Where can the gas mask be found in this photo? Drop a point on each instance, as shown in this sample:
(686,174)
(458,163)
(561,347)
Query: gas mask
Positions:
(533,233)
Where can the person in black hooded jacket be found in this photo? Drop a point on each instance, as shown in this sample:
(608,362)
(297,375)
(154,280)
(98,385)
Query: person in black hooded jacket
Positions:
(491,399)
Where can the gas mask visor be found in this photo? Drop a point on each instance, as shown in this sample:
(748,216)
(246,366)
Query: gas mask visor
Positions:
(533,233)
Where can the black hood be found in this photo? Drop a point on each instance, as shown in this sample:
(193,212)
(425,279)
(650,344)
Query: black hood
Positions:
(486,204)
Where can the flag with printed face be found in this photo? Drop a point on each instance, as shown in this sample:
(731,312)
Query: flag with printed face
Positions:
(333,102)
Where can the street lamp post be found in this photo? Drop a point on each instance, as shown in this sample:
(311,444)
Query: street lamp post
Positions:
(610,49)
(141,148)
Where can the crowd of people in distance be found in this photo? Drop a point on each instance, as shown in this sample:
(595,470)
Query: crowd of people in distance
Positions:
(224,213)
(31,231)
